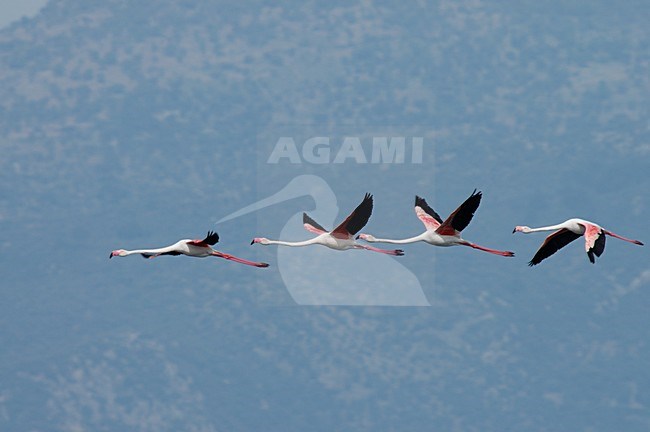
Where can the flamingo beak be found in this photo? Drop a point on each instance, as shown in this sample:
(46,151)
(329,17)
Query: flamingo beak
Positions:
(357,237)
(514,230)
(110,256)
(253,241)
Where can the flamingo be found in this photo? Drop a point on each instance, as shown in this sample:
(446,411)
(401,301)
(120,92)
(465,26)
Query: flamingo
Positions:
(568,231)
(320,275)
(443,233)
(193,248)
(341,237)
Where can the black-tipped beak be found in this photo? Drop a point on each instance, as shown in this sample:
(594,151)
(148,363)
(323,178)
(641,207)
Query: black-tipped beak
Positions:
(514,230)
(357,237)
(110,256)
(252,241)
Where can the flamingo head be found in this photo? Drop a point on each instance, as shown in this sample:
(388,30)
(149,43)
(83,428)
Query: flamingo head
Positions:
(524,229)
(118,252)
(260,240)
(366,237)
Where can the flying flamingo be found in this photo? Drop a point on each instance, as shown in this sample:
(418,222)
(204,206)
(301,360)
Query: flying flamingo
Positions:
(320,275)
(443,233)
(193,248)
(568,231)
(341,237)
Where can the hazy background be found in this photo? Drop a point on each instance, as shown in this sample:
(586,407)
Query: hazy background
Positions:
(13,10)
(127,125)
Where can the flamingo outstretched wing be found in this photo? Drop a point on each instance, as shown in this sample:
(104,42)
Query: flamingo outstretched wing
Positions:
(426,214)
(462,216)
(311,225)
(552,244)
(356,220)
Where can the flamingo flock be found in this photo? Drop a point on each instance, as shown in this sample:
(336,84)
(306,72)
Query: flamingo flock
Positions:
(438,232)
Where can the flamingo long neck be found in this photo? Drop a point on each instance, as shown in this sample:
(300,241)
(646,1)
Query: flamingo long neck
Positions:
(546,228)
(139,251)
(149,251)
(293,244)
(401,241)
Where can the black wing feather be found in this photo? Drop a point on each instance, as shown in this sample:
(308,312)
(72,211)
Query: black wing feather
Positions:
(552,244)
(357,219)
(463,216)
(360,215)
(422,203)
(211,239)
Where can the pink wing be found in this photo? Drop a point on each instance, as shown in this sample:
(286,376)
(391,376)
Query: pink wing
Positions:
(426,214)
(429,222)
(592,232)
(594,241)
(311,225)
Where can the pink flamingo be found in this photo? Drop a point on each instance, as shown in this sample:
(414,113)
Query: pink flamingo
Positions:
(567,232)
(193,248)
(443,233)
(341,237)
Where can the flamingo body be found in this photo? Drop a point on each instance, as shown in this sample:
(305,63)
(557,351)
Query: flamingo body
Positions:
(568,231)
(193,248)
(443,233)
